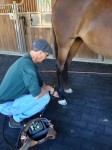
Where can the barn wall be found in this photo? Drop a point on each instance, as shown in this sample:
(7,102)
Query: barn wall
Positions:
(29,34)
(9,1)
(8,40)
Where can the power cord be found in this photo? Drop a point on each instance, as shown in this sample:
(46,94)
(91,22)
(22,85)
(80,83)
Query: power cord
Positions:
(17,143)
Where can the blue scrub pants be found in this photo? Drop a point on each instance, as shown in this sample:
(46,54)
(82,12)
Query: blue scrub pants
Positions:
(24,106)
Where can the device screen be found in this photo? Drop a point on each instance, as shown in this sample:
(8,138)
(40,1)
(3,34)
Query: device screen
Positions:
(35,127)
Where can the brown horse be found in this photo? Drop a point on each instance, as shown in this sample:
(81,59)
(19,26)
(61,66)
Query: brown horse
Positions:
(77,21)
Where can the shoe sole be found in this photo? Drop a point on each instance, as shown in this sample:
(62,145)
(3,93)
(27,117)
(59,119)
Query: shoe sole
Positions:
(11,126)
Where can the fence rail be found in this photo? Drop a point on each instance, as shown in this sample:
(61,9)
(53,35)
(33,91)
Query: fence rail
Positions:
(28,6)
(6,8)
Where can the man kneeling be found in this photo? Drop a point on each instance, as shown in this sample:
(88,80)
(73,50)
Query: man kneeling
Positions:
(22,91)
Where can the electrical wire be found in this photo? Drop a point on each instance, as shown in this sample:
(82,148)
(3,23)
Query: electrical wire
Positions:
(17,143)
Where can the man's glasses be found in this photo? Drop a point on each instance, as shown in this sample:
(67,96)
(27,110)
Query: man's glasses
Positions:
(47,54)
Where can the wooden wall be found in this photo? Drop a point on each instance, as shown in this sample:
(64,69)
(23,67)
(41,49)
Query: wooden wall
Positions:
(26,6)
(31,33)
(8,40)
(85,52)
(9,1)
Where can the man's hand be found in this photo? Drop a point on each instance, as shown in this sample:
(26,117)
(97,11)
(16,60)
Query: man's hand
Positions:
(47,88)
(52,91)
(55,94)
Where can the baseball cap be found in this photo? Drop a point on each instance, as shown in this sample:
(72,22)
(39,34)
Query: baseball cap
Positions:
(41,44)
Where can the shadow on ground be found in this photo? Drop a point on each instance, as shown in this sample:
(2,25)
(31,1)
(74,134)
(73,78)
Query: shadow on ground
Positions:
(86,122)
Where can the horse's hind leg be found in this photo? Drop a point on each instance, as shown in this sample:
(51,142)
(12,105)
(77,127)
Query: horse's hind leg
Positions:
(63,50)
(73,50)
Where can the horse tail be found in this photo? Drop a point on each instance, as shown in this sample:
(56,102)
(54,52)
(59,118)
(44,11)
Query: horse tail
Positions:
(55,44)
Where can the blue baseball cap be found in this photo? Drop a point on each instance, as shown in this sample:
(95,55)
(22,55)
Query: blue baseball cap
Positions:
(41,44)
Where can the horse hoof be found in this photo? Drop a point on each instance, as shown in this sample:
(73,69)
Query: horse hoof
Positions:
(62,102)
(68,91)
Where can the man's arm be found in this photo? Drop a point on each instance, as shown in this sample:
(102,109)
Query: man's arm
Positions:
(32,84)
(45,89)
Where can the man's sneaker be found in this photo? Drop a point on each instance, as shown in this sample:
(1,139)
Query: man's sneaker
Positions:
(14,124)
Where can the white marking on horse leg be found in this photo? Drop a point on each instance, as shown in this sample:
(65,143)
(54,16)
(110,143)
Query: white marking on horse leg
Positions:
(68,91)
(62,102)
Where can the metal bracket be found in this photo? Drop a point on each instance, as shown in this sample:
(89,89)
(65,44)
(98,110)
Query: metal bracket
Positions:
(11,16)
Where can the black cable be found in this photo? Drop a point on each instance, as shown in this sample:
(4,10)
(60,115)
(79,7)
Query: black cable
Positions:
(17,143)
